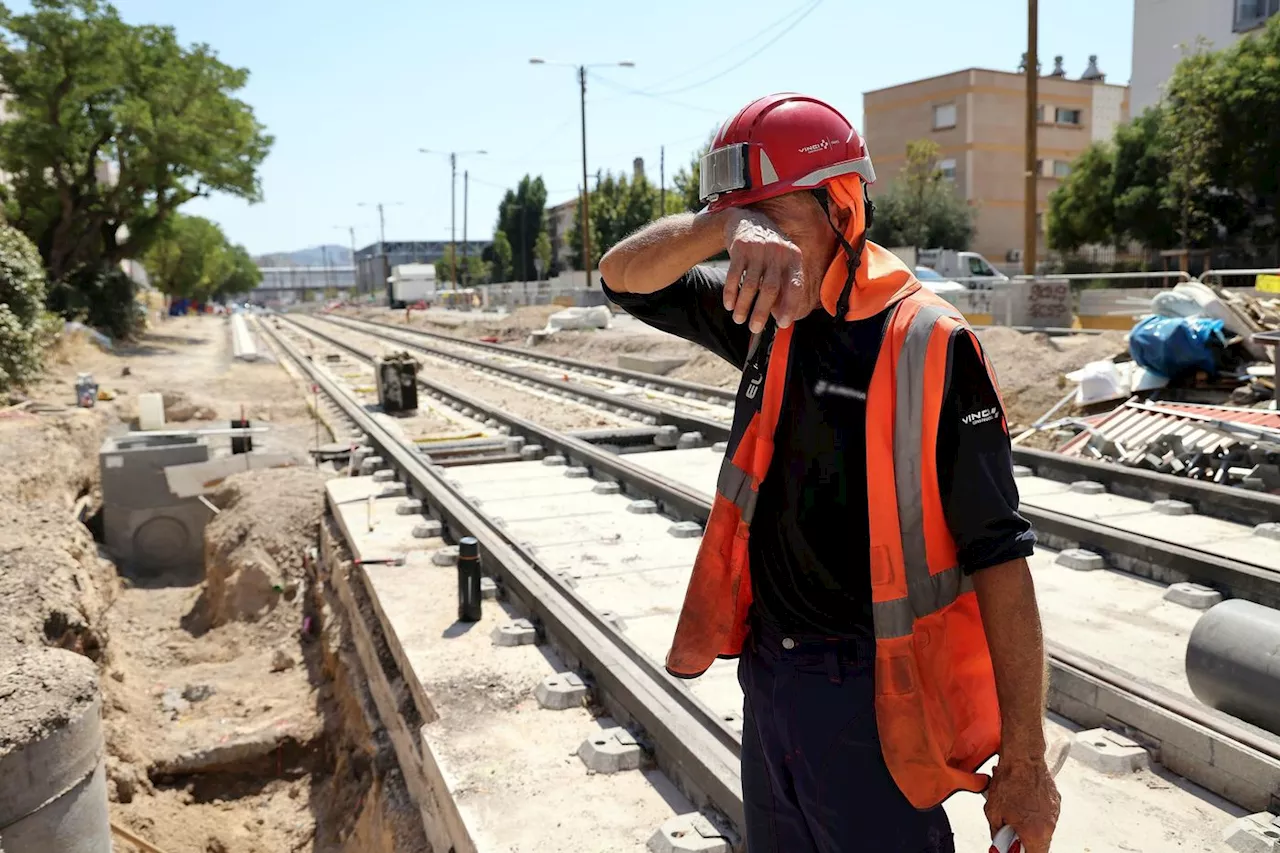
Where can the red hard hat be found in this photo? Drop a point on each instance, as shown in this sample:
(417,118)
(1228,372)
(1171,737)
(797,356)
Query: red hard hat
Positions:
(779,144)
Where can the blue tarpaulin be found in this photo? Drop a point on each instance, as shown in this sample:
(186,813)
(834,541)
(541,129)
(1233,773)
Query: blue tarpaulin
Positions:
(1172,346)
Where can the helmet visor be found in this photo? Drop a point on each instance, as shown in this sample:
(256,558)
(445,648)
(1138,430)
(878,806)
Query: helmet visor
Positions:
(723,170)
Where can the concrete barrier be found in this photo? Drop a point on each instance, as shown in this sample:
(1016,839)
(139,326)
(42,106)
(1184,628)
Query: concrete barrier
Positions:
(242,345)
(53,790)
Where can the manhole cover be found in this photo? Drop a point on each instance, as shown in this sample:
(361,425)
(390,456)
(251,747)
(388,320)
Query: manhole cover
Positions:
(160,541)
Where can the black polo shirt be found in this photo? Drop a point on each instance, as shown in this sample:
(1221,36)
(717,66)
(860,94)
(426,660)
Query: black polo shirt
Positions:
(810,535)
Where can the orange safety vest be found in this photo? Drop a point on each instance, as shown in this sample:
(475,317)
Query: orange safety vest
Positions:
(935,696)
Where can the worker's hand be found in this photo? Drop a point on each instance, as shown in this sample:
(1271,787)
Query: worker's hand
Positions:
(1023,795)
(764,268)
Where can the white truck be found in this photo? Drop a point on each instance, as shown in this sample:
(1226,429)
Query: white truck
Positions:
(410,284)
(963,266)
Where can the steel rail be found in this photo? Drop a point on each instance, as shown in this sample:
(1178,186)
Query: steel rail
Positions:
(664,383)
(711,430)
(1117,696)
(683,731)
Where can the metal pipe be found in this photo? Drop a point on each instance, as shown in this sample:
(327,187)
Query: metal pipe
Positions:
(1233,662)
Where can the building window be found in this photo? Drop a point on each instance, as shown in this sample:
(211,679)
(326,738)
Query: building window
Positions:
(1061,168)
(1039,113)
(1253,13)
(1065,116)
(948,169)
(944,116)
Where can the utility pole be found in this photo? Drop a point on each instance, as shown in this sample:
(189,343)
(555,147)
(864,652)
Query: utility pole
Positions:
(1033,84)
(662,181)
(586,203)
(382,238)
(465,185)
(355,287)
(453,209)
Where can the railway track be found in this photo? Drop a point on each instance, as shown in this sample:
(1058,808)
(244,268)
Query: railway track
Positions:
(694,733)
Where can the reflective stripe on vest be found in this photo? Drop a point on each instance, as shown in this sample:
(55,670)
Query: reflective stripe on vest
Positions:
(926,593)
(739,487)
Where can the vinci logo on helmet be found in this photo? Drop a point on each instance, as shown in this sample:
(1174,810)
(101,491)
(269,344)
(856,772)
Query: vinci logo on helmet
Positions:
(780,144)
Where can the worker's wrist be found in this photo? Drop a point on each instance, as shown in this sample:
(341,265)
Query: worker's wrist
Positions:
(1023,747)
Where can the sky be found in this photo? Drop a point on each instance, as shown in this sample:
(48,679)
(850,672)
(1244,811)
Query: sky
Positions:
(351,91)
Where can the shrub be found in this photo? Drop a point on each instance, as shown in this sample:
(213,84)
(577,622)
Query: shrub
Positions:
(23,325)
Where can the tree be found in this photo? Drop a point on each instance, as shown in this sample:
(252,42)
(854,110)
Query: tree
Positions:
(522,216)
(619,207)
(192,259)
(112,127)
(687,181)
(473,271)
(542,253)
(22,293)
(1081,210)
(501,256)
(921,208)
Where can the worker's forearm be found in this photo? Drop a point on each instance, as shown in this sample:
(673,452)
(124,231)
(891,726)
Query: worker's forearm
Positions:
(661,252)
(1007,599)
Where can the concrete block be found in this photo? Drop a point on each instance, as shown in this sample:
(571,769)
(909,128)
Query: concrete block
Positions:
(685,529)
(613,619)
(561,691)
(370,464)
(427,529)
(1088,487)
(1081,560)
(531,451)
(513,443)
(386,475)
(610,751)
(1192,595)
(689,833)
(1172,507)
(1108,752)
(657,365)
(608,487)
(488,589)
(1268,530)
(576,471)
(504,430)
(621,410)
(668,436)
(468,412)
(490,423)
(649,420)
(1021,471)
(393,490)
(690,395)
(517,632)
(689,440)
(1255,833)
(643,507)
(555,460)
(412,506)
(362,452)
(446,556)
(720,447)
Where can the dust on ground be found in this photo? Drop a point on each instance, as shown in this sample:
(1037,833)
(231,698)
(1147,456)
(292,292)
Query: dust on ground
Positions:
(218,704)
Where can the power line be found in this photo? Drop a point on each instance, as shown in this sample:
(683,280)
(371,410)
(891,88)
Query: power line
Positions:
(744,61)
(629,91)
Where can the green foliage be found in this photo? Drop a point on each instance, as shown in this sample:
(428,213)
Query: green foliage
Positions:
(522,216)
(191,258)
(619,207)
(1200,170)
(922,209)
(501,264)
(22,294)
(1081,210)
(98,297)
(687,191)
(475,270)
(542,252)
(112,127)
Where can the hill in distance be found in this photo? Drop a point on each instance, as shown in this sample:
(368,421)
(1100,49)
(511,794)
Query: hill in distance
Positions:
(312,257)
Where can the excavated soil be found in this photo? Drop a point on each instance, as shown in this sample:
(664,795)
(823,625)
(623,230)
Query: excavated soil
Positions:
(233,719)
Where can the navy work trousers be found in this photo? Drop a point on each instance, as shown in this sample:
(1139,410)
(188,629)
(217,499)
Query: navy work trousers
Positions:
(813,777)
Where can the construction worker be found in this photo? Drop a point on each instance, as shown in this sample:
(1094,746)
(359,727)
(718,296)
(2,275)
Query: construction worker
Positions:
(864,558)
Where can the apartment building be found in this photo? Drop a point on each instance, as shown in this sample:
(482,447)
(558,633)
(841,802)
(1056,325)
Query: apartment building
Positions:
(977,118)
(559,224)
(1164,29)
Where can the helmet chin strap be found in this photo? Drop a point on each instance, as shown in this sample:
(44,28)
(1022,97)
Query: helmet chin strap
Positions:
(852,258)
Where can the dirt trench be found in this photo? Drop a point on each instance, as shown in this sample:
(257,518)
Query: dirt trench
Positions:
(234,710)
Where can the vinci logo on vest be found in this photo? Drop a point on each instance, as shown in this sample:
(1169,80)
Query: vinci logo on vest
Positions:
(981,416)
(823,388)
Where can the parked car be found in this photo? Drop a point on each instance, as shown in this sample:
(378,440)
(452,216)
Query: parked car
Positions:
(931,279)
